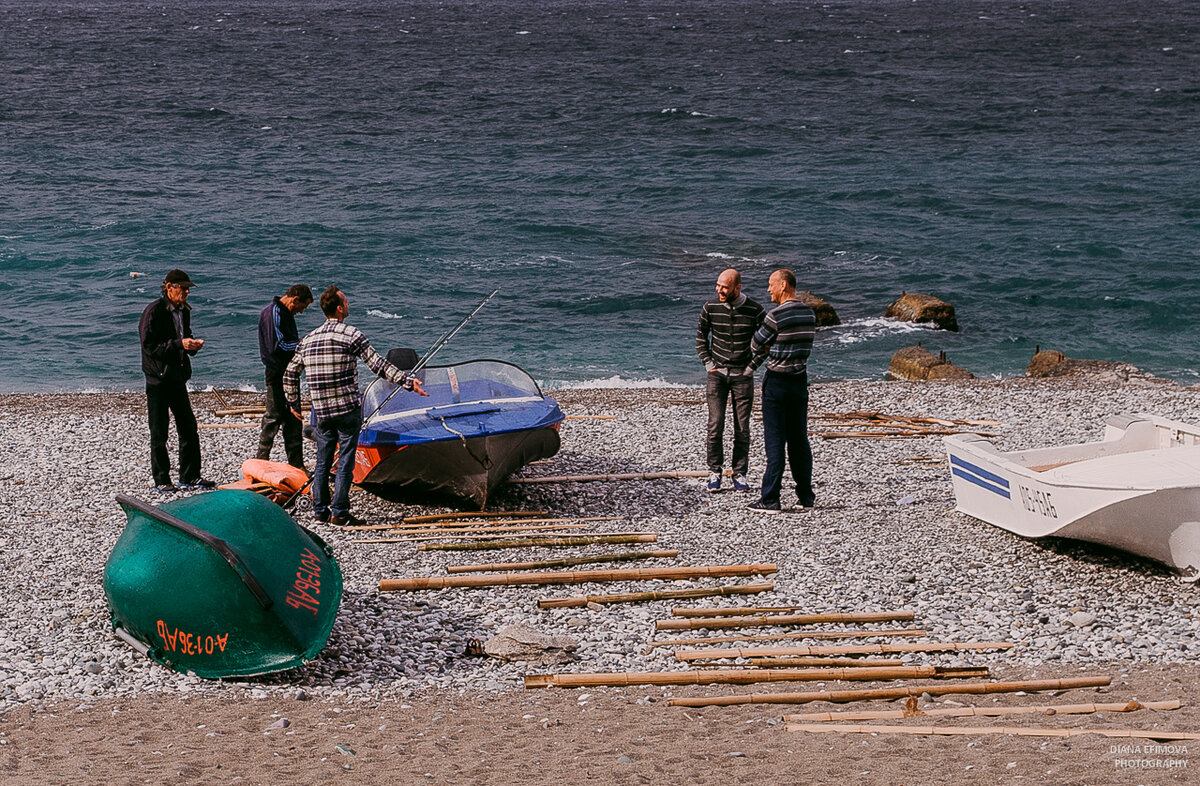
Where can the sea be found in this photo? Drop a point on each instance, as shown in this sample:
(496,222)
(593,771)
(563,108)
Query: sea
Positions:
(1035,163)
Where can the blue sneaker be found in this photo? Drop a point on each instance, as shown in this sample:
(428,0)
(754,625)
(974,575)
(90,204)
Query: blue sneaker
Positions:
(740,483)
(714,481)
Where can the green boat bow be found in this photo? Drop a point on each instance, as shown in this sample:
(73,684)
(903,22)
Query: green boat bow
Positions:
(223,584)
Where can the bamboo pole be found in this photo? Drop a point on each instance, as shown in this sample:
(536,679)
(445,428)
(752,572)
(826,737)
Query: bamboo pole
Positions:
(815,634)
(566,562)
(253,410)
(750,676)
(228,425)
(804,663)
(785,619)
(483,533)
(574,577)
(543,542)
(874,694)
(480,514)
(985,712)
(220,398)
(846,649)
(710,611)
(630,476)
(468,525)
(634,597)
(972,731)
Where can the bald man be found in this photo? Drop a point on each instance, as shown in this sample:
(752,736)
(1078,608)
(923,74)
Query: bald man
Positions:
(727,324)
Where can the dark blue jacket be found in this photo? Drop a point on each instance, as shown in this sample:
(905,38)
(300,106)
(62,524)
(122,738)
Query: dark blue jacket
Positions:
(277,336)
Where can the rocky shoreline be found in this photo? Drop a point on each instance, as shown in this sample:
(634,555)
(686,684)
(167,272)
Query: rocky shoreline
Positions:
(883,536)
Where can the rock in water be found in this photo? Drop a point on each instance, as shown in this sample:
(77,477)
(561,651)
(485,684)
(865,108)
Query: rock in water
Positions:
(524,643)
(917,364)
(911,307)
(824,312)
(1052,363)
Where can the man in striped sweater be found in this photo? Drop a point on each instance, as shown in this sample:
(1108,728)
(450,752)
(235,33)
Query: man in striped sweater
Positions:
(727,323)
(785,341)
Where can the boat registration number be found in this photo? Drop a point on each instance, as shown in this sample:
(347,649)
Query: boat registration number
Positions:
(1038,502)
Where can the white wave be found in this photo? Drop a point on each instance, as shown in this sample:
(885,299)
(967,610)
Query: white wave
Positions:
(616,382)
(523,32)
(860,330)
(374,312)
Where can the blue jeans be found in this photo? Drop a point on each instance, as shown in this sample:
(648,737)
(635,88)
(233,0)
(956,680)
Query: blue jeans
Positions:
(339,432)
(785,432)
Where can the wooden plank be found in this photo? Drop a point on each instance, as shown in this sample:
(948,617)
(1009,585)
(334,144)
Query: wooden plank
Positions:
(472,515)
(543,542)
(846,649)
(984,712)
(751,676)
(785,619)
(634,597)
(978,731)
(628,476)
(565,562)
(575,577)
(878,694)
(815,634)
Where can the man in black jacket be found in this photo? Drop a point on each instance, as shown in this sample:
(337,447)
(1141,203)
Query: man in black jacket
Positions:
(167,347)
(277,340)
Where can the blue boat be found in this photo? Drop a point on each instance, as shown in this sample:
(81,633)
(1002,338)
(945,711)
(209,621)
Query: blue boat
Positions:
(482,420)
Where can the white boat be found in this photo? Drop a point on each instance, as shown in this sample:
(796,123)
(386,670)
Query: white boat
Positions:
(1137,490)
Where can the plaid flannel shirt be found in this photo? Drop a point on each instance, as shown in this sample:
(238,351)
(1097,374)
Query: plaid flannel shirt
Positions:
(329,355)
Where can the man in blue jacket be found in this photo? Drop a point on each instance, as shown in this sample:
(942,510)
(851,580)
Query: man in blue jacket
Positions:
(167,347)
(277,340)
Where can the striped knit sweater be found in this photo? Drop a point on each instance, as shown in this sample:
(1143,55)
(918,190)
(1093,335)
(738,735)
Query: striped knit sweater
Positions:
(785,338)
(724,333)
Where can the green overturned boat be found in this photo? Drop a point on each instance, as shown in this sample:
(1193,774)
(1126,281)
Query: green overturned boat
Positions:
(223,584)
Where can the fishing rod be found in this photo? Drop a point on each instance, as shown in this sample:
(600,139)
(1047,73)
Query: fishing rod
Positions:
(429,353)
(433,350)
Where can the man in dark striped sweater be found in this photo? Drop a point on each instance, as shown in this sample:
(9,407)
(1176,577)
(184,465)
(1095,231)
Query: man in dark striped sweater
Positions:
(785,341)
(727,323)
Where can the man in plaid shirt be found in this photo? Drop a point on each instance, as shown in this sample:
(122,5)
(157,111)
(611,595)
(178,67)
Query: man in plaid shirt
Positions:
(329,355)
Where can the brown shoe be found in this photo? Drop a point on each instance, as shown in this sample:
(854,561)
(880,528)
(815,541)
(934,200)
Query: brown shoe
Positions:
(348,520)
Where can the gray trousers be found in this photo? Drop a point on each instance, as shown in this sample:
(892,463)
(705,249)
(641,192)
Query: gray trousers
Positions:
(718,390)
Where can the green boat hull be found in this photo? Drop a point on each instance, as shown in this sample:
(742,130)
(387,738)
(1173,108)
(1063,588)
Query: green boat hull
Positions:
(223,584)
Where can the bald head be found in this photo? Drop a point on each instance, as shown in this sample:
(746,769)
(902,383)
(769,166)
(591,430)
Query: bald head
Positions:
(729,285)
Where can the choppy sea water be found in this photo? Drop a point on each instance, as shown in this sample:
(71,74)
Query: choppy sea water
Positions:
(1034,163)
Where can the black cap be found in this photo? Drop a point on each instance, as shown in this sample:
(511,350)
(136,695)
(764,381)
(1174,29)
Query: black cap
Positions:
(178,277)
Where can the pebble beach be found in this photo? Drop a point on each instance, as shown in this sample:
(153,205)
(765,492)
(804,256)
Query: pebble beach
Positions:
(883,536)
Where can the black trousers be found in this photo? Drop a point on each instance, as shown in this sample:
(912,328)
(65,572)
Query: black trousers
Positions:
(163,400)
(278,417)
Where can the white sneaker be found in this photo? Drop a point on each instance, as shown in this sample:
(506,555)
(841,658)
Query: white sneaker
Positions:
(741,483)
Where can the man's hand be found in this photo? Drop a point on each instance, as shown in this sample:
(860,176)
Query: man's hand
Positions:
(295,413)
(420,391)
(192,344)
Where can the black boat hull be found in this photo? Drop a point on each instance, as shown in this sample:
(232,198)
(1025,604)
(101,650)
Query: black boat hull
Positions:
(464,470)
